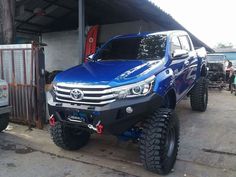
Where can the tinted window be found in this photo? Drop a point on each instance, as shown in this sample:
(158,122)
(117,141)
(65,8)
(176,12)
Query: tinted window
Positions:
(145,48)
(185,43)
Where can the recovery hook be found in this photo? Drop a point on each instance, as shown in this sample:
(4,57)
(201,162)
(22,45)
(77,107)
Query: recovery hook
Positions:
(99,127)
(52,120)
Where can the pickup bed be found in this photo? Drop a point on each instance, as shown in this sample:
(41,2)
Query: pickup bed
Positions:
(130,88)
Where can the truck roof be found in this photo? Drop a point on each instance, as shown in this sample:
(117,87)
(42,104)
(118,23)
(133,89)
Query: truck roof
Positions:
(179,32)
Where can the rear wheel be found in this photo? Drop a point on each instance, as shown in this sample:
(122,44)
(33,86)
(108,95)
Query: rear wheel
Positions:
(160,141)
(199,95)
(68,138)
(4,121)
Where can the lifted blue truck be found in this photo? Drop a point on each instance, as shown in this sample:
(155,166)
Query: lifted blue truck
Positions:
(130,88)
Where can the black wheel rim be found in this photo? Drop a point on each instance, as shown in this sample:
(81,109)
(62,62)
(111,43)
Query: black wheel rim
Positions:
(170,142)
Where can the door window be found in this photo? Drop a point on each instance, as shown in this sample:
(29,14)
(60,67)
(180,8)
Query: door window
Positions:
(185,43)
(175,44)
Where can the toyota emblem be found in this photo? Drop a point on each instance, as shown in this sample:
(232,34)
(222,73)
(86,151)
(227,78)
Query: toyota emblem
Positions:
(76,94)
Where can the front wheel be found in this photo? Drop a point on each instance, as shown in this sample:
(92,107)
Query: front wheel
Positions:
(68,138)
(199,95)
(4,121)
(159,141)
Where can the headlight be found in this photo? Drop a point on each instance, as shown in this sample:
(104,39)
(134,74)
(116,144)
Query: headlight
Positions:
(134,90)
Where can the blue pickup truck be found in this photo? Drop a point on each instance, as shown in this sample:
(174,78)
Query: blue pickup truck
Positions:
(130,88)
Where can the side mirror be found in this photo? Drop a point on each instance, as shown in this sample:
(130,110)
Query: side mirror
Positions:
(201,52)
(90,57)
(179,53)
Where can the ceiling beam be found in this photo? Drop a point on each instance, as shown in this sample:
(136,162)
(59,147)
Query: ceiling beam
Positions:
(32,16)
(29,30)
(46,15)
(60,5)
(29,23)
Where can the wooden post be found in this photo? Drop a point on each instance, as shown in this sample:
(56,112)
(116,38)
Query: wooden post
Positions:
(7,17)
(40,83)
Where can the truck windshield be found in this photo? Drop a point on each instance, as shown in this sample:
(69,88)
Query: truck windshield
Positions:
(151,47)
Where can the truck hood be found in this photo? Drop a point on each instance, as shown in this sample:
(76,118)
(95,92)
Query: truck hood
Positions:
(113,73)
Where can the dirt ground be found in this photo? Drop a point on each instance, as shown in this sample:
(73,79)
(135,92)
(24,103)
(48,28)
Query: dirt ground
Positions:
(207,148)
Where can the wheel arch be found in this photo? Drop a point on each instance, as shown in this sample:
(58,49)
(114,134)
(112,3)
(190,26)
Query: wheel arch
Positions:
(203,71)
(170,99)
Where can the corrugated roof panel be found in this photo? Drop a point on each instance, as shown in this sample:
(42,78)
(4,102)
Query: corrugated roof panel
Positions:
(69,3)
(31,28)
(59,12)
(43,20)
(24,16)
(35,4)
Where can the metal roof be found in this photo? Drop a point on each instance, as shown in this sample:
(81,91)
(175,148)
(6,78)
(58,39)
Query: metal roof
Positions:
(63,15)
(226,50)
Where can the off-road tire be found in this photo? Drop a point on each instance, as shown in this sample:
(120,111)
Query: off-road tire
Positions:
(4,121)
(68,138)
(199,95)
(159,141)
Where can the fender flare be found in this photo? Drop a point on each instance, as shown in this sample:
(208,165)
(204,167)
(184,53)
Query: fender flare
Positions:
(164,82)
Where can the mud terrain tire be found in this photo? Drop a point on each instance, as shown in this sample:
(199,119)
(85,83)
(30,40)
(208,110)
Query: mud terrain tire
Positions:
(68,138)
(160,141)
(199,95)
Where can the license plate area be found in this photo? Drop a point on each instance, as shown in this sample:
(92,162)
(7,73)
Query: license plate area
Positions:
(75,119)
(77,116)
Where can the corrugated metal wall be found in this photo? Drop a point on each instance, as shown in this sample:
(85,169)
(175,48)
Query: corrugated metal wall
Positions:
(19,66)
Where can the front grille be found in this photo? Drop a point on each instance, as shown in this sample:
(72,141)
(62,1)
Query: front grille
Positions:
(93,95)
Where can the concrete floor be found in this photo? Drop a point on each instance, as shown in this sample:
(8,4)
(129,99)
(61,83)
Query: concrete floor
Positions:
(207,148)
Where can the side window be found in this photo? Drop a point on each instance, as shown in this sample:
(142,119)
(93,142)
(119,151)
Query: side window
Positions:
(175,44)
(185,43)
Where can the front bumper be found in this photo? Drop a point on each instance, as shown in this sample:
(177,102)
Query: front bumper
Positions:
(113,116)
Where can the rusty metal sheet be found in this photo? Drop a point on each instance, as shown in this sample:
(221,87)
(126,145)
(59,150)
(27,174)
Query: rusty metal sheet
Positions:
(18,66)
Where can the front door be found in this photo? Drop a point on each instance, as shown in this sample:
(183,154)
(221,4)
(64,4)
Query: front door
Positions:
(180,69)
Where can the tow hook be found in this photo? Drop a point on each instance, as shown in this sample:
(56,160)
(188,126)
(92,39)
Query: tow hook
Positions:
(99,127)
(52,120)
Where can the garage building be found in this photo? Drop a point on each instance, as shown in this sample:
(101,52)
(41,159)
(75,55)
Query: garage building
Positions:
(63,25)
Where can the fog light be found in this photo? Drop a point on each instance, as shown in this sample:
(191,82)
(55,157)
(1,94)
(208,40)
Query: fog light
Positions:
(129,110)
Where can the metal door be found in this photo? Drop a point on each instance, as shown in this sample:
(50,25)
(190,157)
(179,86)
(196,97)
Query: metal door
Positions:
(22,66)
